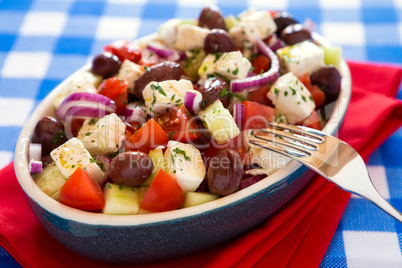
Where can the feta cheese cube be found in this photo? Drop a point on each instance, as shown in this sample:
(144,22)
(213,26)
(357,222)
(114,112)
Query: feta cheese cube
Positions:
(269,161)
(160,97)
(130,72)
(219,122)
(103,136)
(82,81)
(71,155)
(190,37)
(184,162)
(301,58)
(291,98)
(253,24)
(168,30)
(231,65)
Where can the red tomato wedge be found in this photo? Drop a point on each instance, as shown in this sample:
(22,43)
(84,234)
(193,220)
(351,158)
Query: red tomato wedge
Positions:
(261,64)
(163,194)
(180,125)
(318,95)
(115,89)
(260,96)
(305,79)
(125,50)
(149,136)
(313,121)
(82,192)
(257,115)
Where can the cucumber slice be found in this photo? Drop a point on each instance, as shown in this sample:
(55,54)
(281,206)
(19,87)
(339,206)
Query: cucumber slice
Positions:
(332,56)
(50,180)
(231,21)
(197,198)
(55,196)
(219,122)
(120,200)
(156,156)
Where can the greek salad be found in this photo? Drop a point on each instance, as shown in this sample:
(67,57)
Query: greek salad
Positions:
(163,123)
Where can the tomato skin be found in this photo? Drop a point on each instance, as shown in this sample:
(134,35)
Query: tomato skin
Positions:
(313,121)
(149,136)
(180,125)
(261,64)
(257,115)
(163,194)
(260,96)
(82,192)
(125,50)
(116,90)
(318,96)
(305,79)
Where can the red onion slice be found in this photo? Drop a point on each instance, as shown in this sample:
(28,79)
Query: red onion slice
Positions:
(35,166)
(238,115)
(35,151)
(255,82)
(135,111)
(169,54)
(192,101)
(85,99)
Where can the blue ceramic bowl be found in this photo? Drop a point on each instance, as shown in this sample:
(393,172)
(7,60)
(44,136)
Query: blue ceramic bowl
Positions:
(161,236)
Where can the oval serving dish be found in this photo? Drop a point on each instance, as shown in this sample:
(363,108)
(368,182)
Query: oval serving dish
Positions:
(161,236)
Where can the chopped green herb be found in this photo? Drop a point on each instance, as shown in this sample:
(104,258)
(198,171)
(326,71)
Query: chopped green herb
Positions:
(293,91)
(108,186)
(157,86)
(276,91)
(92,121)
(172,98)
(73,166)
(60,135)
(311,98)
(205,68)
(179,151)
(236,71)
(93,160)
(120,187)
(252,132)
(303,98)
(172,157)
(286,93)
(170,134)
(223,93)
(102,166)
(217,56)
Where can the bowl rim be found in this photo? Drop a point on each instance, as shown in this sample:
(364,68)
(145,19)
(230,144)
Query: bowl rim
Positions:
(52,206)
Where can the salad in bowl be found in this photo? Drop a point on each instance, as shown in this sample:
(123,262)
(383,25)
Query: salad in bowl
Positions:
(155,126)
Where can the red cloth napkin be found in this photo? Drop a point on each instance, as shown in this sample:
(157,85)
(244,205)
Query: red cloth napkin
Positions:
(297,236)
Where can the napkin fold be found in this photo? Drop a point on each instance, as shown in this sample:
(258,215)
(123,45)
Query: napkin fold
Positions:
(296,236)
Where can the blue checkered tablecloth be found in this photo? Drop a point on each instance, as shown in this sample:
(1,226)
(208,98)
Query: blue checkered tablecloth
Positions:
(44,41)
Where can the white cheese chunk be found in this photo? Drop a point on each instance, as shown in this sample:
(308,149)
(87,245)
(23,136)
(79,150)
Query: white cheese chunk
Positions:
(184,162)
(72,155)
(190,37)
(291,98)
(219,122)
(168,30)
(231,65)
(252,25)
(160,97)
(269,161)
(301,58)
(130,72)
(83,81)
(103,136)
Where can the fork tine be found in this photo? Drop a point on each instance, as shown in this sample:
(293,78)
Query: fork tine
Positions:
(280,150)
(294,146)
(301,139)
(317,135)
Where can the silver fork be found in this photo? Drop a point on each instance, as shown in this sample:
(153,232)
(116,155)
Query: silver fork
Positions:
(332,158)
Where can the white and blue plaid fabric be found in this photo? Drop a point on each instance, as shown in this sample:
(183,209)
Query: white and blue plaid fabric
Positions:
(44,41)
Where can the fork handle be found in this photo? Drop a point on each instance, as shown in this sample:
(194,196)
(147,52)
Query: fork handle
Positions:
(374,196)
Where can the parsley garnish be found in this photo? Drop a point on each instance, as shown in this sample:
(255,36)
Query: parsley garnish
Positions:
(88,134)
(170,134)
(179,151)
(158,87)
(236,71)
(92,121)
(60,135)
